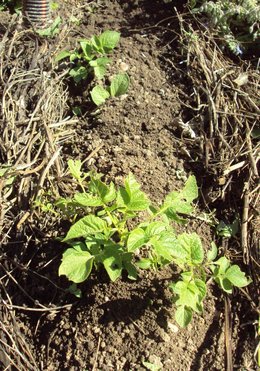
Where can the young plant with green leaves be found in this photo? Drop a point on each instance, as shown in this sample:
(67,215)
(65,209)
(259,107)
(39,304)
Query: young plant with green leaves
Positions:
(197,270)
(91,60)
(100,236)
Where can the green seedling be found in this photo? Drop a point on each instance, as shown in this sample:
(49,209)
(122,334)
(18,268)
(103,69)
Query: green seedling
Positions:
(91,60)
(100,236)
(51,31)
(190,291)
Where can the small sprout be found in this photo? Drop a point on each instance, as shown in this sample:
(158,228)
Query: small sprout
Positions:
(91,60)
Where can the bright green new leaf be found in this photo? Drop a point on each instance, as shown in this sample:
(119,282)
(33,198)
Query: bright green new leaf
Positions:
(144,263)
(87,199)
(89,225)
(164,245)
(96,43)
(119,85)
(191,243)
(99,95)
(99,66)
(136,239)
(201,287)
(155,228)
(236,276)
(180,202)
(183,316)
(75,168)
(224,283)
(76,265)
(223,264)
(87,49)
(62,55)
(187,294)
(106,193)
(109,40)
(131,197)
(190,190)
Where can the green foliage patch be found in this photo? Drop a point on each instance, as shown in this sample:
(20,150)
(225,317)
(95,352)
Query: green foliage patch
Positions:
(91,60)
(100,236)
(236,21)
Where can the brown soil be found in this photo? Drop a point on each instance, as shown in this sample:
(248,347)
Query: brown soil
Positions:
(117,326)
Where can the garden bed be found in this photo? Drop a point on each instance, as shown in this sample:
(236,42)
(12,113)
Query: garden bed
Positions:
(186,111)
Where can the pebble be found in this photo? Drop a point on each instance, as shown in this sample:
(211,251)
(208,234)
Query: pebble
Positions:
(173,327)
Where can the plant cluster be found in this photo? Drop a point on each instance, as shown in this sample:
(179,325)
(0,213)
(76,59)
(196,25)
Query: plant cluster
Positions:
(237,21)
(100,236)
(91,60)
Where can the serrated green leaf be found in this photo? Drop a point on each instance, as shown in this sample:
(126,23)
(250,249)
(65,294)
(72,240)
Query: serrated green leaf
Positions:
(188,294)
(99,72)
(144,263)
(95,41)
(180,202)
(75,168)
(190,190)
(99,95)
(191,243)
(119,85)
(155,228)
(183,316)
(164,245)
(236,276)
(202,288)
(223,264)
(136,239)
(76,265)
(109,40)
(87,199)
(89,225)
(62,55)
(87,49)
(106,193)
(131,197)
(212,254)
